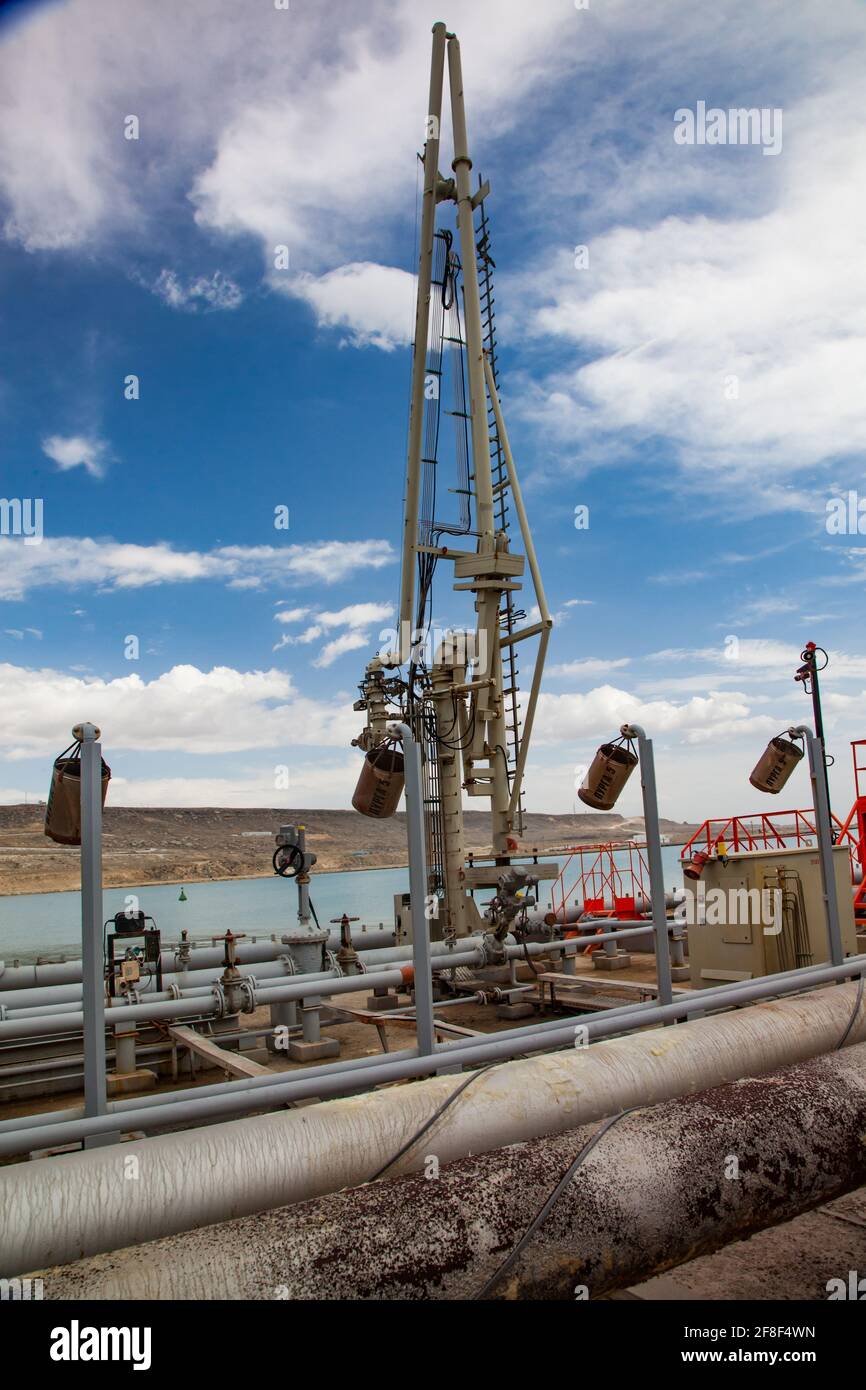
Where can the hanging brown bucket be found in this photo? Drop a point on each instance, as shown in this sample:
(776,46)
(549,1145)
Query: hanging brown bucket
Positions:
(775,765)
(63,812)
(611,768)
(380,784)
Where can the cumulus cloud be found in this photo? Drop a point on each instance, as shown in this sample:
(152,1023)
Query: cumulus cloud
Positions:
(73,562)
(310,141)
(184,709)
(599,713)
(309,785)
(76,451)
(374,303)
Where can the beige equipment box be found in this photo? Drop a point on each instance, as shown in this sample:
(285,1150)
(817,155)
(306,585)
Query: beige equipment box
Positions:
(755,914)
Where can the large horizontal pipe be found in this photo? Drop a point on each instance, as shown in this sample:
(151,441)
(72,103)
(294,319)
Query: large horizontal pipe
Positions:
(276,987)
(204,1004)
(796,1136)
(201,979)
(25,1005)
(53,1211)
(205,1103)
(59,973)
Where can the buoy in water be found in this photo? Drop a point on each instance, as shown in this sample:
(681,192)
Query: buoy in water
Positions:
(181,896)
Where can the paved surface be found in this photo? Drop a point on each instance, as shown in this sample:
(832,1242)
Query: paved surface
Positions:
(793,1261)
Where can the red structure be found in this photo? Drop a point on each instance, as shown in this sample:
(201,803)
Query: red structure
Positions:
(783,829)
(855,829)
(606,878)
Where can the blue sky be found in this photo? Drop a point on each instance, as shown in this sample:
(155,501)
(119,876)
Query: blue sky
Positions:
(698,384)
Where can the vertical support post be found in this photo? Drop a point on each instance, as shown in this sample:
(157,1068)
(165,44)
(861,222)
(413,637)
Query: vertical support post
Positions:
(419,359)
(462,165)
(824,829)
(418,887)
(92,963)
(654,857)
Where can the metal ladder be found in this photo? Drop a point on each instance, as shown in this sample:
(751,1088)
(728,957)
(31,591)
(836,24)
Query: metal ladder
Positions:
(510,616)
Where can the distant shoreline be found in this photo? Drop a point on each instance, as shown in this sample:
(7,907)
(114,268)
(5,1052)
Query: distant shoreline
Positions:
(554,852)
(182,882)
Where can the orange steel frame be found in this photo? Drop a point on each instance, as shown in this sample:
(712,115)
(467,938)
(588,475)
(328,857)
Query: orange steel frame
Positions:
(599,878)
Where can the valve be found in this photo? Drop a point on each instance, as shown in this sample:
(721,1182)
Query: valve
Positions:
(347,956)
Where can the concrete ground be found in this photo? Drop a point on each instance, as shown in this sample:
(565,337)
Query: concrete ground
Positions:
(794,1261)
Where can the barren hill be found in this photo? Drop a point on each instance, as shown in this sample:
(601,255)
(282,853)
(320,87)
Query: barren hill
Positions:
(188,845)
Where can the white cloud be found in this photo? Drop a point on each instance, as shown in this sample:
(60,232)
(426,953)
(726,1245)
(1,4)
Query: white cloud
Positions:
(309,141)
(315,159)
(309,785)
(599,713)
(374,303)
(216,292)
(183,710)
(73,561)
(338,646)
(76,451)
(763,658)
(737,335)
(356,617)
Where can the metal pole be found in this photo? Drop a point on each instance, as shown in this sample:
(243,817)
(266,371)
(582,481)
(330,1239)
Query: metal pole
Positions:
(92,962)
(462,164)
(419,360)
(824,830)
(654,856)
(808,673)
(418,892)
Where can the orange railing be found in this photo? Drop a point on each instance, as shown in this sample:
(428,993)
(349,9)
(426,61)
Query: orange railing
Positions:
(599,881)
(768,831)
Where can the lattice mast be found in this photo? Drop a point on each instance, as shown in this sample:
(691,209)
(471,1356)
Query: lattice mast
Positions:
(466,704)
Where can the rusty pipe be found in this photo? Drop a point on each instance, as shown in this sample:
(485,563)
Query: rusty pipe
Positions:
(661,1186)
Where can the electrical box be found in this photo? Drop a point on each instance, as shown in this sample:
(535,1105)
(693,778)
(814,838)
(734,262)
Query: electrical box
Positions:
(133,952)
(755,914)
(402,919)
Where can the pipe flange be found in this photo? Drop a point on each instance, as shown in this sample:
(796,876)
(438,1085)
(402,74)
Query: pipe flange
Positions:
(288,964)
(493,949)
(241,996)
(331,963)
(219,999)
(173,991)
(4,1013)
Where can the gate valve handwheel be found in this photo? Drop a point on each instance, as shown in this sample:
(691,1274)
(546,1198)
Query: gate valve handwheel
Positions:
(345,934)
(230,939)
